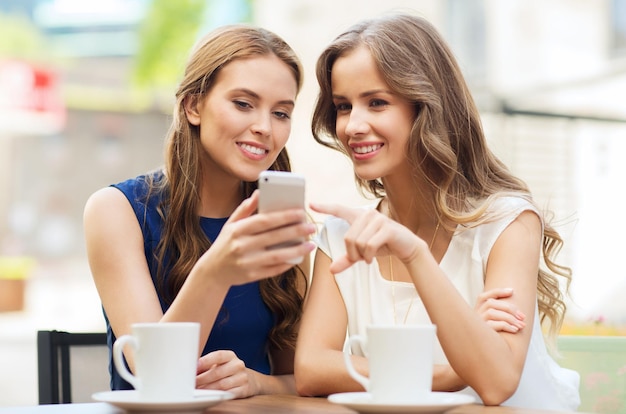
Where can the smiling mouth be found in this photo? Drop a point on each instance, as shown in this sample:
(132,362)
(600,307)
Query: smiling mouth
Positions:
(366,149)
(254,150)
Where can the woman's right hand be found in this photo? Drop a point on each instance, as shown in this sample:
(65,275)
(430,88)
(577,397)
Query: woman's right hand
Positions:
(500,315)
(223,370)
(239,254)
(371,234)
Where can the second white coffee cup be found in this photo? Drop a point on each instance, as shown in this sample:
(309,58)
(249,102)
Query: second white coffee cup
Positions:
(400,362)
(165,359)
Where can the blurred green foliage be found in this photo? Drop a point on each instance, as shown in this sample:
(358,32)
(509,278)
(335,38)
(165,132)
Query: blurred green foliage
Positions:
(169,31)
(20,39)
(166,35)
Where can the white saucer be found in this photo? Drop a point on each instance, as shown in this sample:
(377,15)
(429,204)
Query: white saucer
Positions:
(129,400)
(435,402)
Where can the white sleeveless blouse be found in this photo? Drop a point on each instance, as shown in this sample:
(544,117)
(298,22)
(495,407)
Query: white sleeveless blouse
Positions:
(368,299)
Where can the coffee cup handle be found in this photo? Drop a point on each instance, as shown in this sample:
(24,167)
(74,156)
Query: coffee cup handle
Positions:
(361,379)
(118,359)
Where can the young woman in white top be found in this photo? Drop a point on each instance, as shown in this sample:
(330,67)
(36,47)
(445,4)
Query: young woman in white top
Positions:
(455,239)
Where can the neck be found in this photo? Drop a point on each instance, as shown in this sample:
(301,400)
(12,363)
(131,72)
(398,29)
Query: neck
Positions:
(413,212)
(219,197)
(410,211)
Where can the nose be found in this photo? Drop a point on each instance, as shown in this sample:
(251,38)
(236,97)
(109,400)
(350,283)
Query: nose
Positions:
(262,125)
(356,123)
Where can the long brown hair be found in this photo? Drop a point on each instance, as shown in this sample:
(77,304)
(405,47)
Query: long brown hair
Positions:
(183,241)
(447,147)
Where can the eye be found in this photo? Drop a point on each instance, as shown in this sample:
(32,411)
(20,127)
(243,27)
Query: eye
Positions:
(282,115)
(376,103)
(342,107)
(242,104)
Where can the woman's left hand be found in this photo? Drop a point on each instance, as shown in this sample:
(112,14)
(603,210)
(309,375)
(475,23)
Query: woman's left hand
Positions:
(223,370)
(501,315)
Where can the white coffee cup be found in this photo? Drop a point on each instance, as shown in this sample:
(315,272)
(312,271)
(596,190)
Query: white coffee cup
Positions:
(400,362)
(165,358)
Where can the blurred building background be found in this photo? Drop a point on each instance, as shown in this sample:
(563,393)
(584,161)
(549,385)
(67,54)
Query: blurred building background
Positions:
(85,96)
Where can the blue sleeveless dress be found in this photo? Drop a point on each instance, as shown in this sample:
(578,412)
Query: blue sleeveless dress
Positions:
(244,321)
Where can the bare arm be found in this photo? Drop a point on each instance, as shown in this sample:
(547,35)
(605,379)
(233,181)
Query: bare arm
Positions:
(116,256)
(222,370)
(319,367)
(118,264)
(500,315)
(497,359)
(282,379)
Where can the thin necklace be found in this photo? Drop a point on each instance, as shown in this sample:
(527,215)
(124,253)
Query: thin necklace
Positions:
(393,292)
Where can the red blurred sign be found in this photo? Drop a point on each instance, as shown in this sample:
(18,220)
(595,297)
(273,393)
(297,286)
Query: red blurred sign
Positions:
(30,99)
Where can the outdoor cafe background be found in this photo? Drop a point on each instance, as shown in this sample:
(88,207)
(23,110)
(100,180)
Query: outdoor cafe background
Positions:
(85,95)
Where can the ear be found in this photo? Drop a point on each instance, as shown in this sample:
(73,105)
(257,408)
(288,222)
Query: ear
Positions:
(191,109)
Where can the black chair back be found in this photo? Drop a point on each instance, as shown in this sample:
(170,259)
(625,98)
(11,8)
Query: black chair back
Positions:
(56,354)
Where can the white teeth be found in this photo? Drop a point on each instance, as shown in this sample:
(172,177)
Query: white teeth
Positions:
(367,149)
(254,150)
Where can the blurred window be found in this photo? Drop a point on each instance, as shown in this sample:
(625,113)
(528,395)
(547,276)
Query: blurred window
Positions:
(465,31)
(618,24)
(85,28)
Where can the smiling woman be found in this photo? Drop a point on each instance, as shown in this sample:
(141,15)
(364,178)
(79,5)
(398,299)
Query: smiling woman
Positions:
(245,120)
(184,243)
(454,238)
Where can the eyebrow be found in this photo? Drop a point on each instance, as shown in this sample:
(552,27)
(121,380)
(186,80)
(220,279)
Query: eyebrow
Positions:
(256,96)
(367,93)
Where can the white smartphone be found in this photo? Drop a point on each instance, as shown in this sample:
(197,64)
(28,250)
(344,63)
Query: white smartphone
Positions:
(281,190)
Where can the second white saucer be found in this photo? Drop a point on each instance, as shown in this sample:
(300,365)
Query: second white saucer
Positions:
(435,402)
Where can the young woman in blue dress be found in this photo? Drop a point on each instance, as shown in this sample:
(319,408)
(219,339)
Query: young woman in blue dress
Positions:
(184,243)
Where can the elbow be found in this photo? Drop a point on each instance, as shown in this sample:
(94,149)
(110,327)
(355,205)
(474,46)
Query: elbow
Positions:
(304,390)
(497,392)
(305,387)
(495,384)
(304,377)
(494,398)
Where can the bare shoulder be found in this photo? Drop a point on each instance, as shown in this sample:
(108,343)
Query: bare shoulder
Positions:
(527,223)
(111,229)
(108,207)
(104,198)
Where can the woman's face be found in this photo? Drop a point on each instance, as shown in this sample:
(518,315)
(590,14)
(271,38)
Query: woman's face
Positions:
(373,123)
(245,119)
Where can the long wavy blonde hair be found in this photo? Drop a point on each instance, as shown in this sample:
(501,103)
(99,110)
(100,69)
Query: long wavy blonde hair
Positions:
(447,147)
(183,241)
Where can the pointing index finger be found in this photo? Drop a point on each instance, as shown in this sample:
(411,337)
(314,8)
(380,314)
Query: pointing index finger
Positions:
(336,210)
